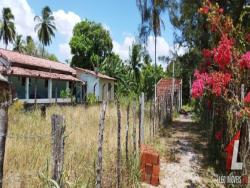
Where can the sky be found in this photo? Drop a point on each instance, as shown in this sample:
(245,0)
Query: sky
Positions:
(121,18)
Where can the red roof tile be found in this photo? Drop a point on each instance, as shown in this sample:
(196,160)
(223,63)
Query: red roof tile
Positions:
(97,74)
(23,59)
(40,74)
(165,86)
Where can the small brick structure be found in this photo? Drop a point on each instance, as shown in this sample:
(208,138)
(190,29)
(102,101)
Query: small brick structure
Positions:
(149,165)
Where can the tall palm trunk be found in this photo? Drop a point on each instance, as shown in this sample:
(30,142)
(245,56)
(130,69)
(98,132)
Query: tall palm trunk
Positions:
(43,50)
(154,113)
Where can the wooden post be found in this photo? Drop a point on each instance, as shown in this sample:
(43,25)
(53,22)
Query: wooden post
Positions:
(141,119)
(118,145)
(150,119)
(127,130)
(242,92)
(100,145)
(134,127)
(3,133)
(43,111)
(139,115)
(58,129)
(36,91)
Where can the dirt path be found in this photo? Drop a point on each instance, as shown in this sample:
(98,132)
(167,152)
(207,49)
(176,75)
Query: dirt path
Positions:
(183,164)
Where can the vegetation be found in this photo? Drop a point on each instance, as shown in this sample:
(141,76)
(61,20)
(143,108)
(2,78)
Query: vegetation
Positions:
(19,44)
(90,45)
(29,147)
(7,27)
(45,27)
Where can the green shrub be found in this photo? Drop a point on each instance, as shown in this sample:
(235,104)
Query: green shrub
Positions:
(65,93)
(91,99)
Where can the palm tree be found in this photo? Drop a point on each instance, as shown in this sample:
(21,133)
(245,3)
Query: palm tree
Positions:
(19,44)
(151,12)
(45,27)
(30,48)
(7,27)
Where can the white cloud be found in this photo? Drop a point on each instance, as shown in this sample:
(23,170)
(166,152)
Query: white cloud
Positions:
(162,46)
(65,51)
(65,22)
(123,49)
(24,16)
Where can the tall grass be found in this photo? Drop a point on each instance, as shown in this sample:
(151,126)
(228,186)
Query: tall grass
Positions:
(28,150)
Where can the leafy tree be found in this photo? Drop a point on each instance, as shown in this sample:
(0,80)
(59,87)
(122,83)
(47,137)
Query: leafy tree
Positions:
(7,27)
(149,74)
(19,45)
(90,45)
(151,21)
(45,27)
(30,47)
(135,61)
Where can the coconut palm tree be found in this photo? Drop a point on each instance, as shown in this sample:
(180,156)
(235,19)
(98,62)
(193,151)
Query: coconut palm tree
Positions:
(19,45)
(45,27)
(7,27)
(151,21)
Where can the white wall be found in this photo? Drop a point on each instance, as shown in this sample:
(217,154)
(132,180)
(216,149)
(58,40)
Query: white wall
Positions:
(91,81)
(105,87)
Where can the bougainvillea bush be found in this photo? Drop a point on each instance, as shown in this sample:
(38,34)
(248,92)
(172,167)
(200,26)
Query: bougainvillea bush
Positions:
(221,83)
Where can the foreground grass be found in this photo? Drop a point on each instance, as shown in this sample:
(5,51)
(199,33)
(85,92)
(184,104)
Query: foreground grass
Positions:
(28,149)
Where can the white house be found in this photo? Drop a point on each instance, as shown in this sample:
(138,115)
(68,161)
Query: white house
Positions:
(37,80)
(102,86)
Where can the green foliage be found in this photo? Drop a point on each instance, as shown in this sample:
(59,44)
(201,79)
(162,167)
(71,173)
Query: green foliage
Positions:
(91,99)
(90,45)
(65,93)
(7,27)
(45,26)
(19,44)
(149,74)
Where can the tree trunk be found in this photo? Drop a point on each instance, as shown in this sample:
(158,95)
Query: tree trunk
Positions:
(134,127)
(58,129)
(100,145)
(118,145)
(43,50)
(3,132)
(154,117)
(127,131)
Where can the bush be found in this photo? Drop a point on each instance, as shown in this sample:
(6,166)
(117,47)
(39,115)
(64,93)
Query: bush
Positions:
(65,93)
(91,99)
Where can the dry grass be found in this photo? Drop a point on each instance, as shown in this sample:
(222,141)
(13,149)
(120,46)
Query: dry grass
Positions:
(28,156)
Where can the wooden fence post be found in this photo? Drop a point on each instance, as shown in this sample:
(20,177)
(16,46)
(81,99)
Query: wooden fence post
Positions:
(3,133)
(100,144)
(242,92)
(141,126)
(127,130)
(58,129)
(134,127)
(118,145)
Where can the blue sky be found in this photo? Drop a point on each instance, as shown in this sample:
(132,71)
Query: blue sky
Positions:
(121,18)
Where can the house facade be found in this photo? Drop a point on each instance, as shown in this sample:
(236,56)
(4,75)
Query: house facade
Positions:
(164,91)
(36,80)
(102,86)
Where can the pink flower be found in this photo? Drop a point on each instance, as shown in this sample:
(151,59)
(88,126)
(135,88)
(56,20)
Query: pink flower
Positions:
(219,81)
(197,88)
(245,60)
(223,53)
(207,53)
(247,98)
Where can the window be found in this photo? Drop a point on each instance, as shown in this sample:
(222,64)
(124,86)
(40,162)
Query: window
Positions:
(23,81)
(46,83)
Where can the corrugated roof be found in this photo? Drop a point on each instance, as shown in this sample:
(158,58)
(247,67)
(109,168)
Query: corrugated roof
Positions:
(40,74)
(97,74)
(23,59)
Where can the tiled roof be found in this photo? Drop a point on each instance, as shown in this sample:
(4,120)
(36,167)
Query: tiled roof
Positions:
(96,74)
(165,86)
(40,74)
(27,60)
